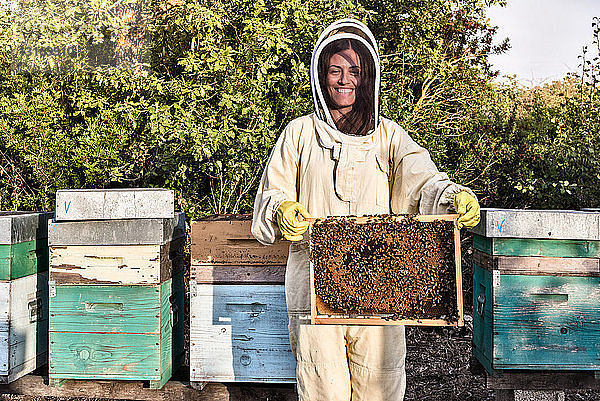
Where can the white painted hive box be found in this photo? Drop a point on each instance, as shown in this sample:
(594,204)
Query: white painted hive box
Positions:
(23,326)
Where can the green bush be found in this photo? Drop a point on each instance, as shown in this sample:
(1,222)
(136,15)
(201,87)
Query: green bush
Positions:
(191,95)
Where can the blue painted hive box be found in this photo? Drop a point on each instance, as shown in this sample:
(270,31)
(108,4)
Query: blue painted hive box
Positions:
(536,290)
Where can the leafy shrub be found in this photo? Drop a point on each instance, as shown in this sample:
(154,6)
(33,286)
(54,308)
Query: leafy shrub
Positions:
(191,94)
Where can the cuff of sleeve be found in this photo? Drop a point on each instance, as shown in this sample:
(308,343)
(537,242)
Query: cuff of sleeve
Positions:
(274,207)
(276,202)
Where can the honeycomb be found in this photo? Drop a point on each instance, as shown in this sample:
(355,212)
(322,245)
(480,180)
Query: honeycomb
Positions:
(394,267)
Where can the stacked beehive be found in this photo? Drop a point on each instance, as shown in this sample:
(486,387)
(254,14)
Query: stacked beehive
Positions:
(116,286)
(23,293)
(536,290)
(238,315)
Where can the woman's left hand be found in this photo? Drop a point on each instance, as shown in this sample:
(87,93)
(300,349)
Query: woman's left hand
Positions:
(467,207)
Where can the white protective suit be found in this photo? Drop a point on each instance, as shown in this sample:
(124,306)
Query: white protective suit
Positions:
(334,174)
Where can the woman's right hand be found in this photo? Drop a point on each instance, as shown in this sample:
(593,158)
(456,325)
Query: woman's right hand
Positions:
(288,220)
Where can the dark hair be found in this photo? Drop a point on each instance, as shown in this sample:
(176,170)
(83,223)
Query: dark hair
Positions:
(360,119)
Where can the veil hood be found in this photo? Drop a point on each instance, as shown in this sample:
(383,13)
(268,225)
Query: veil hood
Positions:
(343,29)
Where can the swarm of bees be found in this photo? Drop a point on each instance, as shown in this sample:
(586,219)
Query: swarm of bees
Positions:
(390,267)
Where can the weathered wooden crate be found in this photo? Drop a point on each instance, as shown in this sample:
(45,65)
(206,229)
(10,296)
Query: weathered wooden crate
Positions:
(116,264)
(238,315)
(536,294)
(226,239)
(540,224)
(23,325)
(23,293)
(322,313)
(108,254)
(23,244)
(108,204)
(116,232)
(239,333)
(125,332)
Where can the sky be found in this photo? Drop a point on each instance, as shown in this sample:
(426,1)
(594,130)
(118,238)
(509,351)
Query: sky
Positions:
(546,36)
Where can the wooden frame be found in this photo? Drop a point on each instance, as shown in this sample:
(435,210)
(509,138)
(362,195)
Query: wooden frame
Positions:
(321,318)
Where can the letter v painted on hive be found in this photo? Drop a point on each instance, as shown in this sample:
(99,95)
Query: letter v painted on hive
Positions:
(499,225)
(67,206)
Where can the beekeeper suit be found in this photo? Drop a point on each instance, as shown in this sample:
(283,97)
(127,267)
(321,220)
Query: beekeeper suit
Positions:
(316,168)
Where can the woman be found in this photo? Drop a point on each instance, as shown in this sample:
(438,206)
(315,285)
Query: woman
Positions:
(344,159)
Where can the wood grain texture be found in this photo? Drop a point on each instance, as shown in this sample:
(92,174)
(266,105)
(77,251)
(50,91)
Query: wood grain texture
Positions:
(545,322)
(232,274)
(17,227)
(28,340)
(239,333)
(117,332)
(116,232)
(538,265)
(536,247)
(115,264)
(100,356)
(5,261)
(172,259)
(231,242)
(541,224)
(24,325)
(321,314)
(172,328)
(458,278)
(174,390)
(108,204)
(106,309)
(4,356)
(4,306)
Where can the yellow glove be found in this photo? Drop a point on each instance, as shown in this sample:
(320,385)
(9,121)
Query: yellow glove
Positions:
(288,220)
(468,209)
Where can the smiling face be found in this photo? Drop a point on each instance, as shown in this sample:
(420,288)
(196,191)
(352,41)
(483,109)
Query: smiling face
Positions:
(343,78)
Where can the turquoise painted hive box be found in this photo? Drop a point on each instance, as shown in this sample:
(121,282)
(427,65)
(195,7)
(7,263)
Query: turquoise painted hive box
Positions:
(116,291)
(23,293)
(536,290)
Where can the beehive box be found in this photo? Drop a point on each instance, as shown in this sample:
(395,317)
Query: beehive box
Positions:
(536,290)
(124,332)
(127,251)
(386,270)
(116,294)
(227,240)
(23,293)
(108,204)
(23,244)
(238,315)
